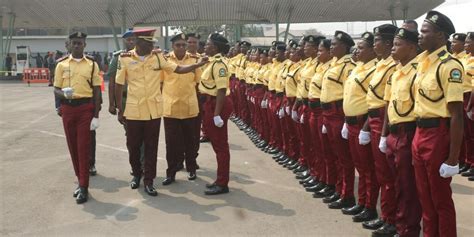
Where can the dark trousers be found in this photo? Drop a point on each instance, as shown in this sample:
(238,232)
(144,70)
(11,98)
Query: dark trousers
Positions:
(76,122)
(93,147)
(182,143)
(219,138)
(430,148)
(304,133)
(400,159)
(276,134)
(144,132)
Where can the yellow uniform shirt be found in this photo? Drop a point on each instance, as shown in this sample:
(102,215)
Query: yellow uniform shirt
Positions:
(262,74)
(434,92)
(233,64)
(333,80)
(307,72)
(292,79)
(400,93)
(250,73)
(281,76)
(317,80)
(179,90)
(469,67)
(383,71)
(463,58)
(143,76)
(215,76)
(274,69)
(355,89)
(240,67)
(81,75)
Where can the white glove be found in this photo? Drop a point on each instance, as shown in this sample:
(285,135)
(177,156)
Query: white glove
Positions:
(383,144)
(262,104)
(324,130)
(287,109)
(281,113)
(294,115)
(469,115)
(218,121)
(68,92)
(364,137)
(94,124)
(302,118)
(447,171)
(345,132)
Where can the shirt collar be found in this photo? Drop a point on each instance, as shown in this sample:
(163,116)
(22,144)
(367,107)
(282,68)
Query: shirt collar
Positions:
(408,67)
(71,58)
(215,57)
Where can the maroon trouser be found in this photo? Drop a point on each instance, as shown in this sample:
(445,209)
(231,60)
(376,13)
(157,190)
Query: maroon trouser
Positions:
(219,137)
(399,156)
(305,143)
(289,133)
(324,163)
(244,109)
(262,113)
(276,130)
(146,132)
(182,144)
(467,149)
(334,120)
(234,82)
(200,129)
(430,148)
(76,123)
(385,177)
(368,189)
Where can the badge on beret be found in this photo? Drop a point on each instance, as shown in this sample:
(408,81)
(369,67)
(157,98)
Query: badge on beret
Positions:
(455,76)
(183,36)
(222,72)
(339,36)
(401,32)
(376,30)
(79,34)
(366,36)
(434,18)
(311,39)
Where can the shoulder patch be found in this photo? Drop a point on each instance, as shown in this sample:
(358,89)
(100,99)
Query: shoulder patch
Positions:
(62,59)
(125,54)
(90,57)
(222,72)
(455,76)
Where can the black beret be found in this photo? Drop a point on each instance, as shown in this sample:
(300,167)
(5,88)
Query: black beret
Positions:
(245,43)
(293,43)
(385,30)
(313,39)
(470,35)
(218,38)
(344,37)
(368,37)
(406,34)
(180,36)
(194,35)
(281,47)
(459,36)
(78,35)
(442,22)
(276,43)
(264,52)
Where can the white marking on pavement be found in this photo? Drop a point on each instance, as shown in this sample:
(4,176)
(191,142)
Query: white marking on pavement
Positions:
(52,133)
(131,203)
(25,126)
(112,148)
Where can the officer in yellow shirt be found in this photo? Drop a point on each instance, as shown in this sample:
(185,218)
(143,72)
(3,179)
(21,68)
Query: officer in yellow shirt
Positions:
(243,112)
(143,70)
(355,109)
(331,102)
(399,94)
(218,107)
(180,111)
(383,42)
(438,136)
(77,85)
(261,91)
(469,121)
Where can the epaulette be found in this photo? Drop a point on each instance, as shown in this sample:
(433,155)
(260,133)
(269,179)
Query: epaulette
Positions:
(125,54)
(444,56)
(117,53)
(156,51)
(62,58)
(414,65)
(90,57)
(349,60)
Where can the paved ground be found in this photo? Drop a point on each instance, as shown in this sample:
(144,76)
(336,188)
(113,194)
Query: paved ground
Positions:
(37,181)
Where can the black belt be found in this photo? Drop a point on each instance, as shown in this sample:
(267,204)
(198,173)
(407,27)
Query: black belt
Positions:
(77,102)
(258,86)
(280,94)
(326,106)
(314,103)
(352,120)
(374,113)
(406,126)
(431,122)
(305,101)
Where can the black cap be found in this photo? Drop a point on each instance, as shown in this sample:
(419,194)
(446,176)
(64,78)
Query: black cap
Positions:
(344,37)
(78,35)
(470,35)
(245,43)
(180,36)
(407,35)
(218,38)
(194,35)
(442,22)
(313,39)
(385,30)
(293,43)
(368,37)
(459,36)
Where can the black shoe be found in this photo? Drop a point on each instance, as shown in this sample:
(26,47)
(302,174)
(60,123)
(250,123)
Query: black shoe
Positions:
(471,178)
(312,182)
(332,198)
(304,175)
(302,181)
(277,155)
(463,168)
(135,183)
(92,171)
(373,224)
(82,195)
(341,203)
(192,176)
(204,139)
(329,190)
(291,162)
(168,181)
(300,169)
(273,151)
(468,173)
(354,210)
(284,161)
(74,194)
(365,215)
(282,158)
(317,187)
(387,230)
(293,167)
(209,186)
(216,189)
(151,190)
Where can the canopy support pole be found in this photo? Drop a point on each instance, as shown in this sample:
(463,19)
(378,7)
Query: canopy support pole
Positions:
(166,35)
(277,29)
(10,29)
(1,46)
(111,19)
(288,23)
